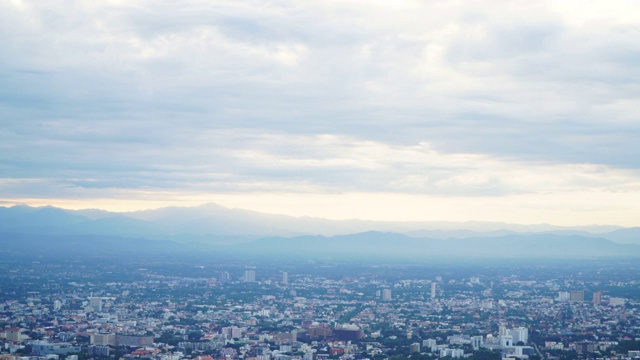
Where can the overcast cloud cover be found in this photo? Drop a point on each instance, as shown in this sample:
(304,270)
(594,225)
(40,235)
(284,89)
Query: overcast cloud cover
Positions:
(519,111)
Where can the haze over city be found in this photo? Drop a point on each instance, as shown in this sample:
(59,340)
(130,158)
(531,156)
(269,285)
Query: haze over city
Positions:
(518,112)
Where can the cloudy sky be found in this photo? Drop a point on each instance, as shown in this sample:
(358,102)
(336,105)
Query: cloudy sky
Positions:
(515,111)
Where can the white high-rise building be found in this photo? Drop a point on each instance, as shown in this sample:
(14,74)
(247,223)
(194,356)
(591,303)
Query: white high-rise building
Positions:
(434,289)
(285,278)
(519,334)
(563,296)
(386,294)
(57,305)
(232,332)
(476,342)
(429,343)
(502,330)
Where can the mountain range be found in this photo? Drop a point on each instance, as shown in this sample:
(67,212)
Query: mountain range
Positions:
(218,229)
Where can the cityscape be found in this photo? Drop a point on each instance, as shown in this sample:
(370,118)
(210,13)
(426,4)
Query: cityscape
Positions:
(192,308)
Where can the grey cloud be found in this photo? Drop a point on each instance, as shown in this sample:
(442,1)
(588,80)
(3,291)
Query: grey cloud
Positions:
(167,96)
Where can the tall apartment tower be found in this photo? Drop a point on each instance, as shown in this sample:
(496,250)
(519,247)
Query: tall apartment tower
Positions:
(223,276)
(476,342)
(249,276)
(386,294)
(502,330)
(96,303)
(434,289)
(285,278)
(597,297)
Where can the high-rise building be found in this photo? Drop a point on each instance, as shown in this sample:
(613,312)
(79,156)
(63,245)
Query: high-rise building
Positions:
(386,294)
(519,334)
(285,278)
(96,303)
(103,339)
(434,289)
(249,275)
(476,342)
(232,332)
(429,344)
(57,305)
(597,297)
(502,330)
(563,296)
(576,296)
(223,276)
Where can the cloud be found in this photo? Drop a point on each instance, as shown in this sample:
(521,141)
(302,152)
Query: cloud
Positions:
(437,98)
(233,160)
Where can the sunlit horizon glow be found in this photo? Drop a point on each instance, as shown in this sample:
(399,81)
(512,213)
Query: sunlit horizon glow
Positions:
(516,112)
(584,207)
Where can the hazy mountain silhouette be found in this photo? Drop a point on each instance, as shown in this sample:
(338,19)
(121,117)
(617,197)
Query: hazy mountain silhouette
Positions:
(397,245)
(253,232)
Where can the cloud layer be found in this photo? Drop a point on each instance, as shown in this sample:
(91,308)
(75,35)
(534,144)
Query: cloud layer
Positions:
(469,102)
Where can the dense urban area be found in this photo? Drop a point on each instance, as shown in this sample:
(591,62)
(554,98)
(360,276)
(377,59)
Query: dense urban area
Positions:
(168,309)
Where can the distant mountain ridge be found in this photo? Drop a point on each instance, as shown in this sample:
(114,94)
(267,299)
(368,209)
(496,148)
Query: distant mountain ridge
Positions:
(395,245)
(361,247)
(212,226)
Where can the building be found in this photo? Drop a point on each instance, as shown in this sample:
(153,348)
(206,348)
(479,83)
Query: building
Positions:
(386,294)
(285,278)
(286,337)
(524,350)
(57,305)
(476,342)
(563,296)
(13,334)
(502,330)
(43,348)
(597,298)
(415,347)
(223,277)
(429,343)
(506,341)
(318,333)
(232,332)
(94,350)
(133,340)
(103,339)
(249,275)
(96,303)
(585,347)
(348,333)
(616,301)
(454,353)
(576,296)
(434,289)
(520,334)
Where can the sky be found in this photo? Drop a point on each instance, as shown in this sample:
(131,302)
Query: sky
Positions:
(513,111)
